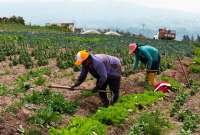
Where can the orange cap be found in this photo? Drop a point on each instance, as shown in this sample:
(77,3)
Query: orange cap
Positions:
(81,56)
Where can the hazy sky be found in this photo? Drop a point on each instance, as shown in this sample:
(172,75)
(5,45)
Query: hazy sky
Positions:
(115,13)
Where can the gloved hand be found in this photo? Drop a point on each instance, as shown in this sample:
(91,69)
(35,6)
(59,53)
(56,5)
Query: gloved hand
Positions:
(77,83)
(72,87)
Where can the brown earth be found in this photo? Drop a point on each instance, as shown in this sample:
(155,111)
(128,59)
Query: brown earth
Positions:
(132,84)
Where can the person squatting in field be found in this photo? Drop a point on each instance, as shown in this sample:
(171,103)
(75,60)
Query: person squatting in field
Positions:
(105,68)
(149,56)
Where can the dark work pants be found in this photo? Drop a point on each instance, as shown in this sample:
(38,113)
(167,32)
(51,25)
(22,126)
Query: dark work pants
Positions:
(156,64)
(114,85)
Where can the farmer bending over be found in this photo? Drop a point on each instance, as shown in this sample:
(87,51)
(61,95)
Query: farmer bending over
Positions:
(105,68)
(149,56)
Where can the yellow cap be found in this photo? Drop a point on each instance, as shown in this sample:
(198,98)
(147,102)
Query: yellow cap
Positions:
(81,56)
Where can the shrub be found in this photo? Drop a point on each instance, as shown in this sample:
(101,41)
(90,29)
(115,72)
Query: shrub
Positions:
(81,126)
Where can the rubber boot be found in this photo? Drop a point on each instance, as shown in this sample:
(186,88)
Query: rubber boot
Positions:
(151,78)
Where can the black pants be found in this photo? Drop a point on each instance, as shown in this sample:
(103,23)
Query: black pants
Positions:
(114,85)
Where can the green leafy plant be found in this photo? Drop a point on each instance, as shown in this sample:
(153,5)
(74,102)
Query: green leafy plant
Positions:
(181,98)
(117,113)
(197,60)
(25,58)
(40,80)
(54,100)
(40,71)
(195,68)
(59,104)
(189,120)
(46,117)
(3,89)
(81,126)
(150,123)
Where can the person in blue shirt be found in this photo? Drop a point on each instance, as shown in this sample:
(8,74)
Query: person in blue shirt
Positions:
(105,68)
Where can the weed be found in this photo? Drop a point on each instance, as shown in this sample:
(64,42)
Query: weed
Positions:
(87,93)
(40,80)
(31,131)
(3,89)
(13,108)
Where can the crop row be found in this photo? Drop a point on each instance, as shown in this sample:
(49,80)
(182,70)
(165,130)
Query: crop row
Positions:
(25,48)
(113,115)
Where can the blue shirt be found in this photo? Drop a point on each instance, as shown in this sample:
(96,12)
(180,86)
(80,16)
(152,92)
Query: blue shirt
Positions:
(102,67)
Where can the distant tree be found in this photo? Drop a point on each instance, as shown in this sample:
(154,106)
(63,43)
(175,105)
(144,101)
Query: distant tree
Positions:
(186,38)
(13,19)
(198,38)
(192,38)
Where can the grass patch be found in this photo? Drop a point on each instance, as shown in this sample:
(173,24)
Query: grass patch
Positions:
(150,123)
(81,126)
